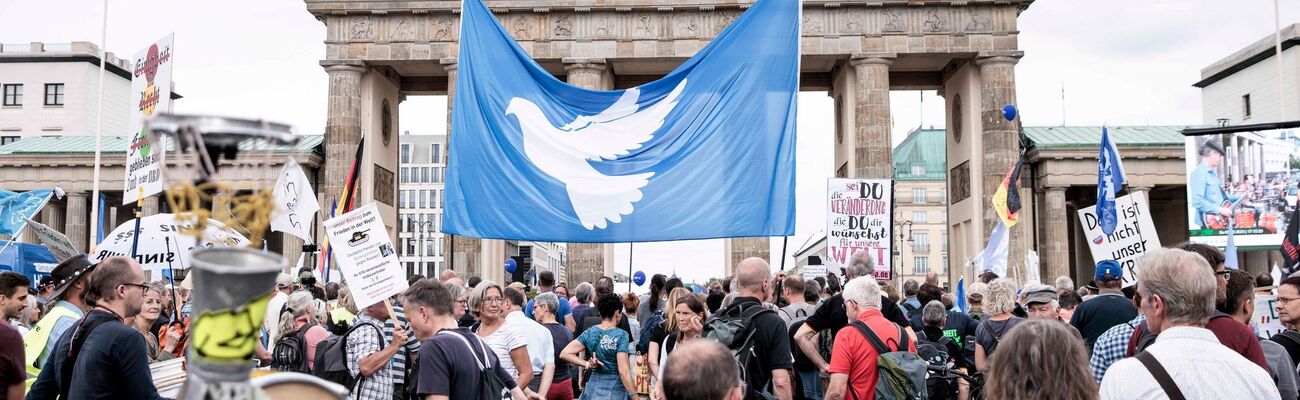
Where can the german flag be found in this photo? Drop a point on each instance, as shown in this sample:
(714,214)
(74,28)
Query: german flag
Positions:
(1006,200)
(349,194)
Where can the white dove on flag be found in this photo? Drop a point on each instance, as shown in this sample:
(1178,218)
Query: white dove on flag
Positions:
(564,152)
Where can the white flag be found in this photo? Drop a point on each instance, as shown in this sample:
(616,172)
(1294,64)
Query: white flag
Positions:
(57,242)
(994,256)
(295,203)
(1031,267)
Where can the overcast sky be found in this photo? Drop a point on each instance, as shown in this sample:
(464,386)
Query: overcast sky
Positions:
(1120,62)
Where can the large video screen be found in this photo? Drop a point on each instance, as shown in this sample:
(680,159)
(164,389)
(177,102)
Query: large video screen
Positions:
(1244,181)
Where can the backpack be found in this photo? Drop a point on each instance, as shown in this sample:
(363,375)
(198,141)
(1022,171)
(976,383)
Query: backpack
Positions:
(1290,340)
(290,352)
(332,358)
(935,353)
(647,331)
(733,327)
(902,373)
(490,385)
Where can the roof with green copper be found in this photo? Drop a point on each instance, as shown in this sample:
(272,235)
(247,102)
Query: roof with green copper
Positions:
(1090,136)
(118,144)
(924,147)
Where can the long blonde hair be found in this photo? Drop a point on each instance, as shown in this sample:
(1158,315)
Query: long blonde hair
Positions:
(295,307)
(670,316)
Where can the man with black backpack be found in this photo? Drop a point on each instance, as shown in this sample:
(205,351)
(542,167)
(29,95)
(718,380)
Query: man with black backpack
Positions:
(755,334)
(792,289)
(446,349)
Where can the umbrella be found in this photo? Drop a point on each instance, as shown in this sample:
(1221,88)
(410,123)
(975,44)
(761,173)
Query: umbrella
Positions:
(162,245)
(32,260)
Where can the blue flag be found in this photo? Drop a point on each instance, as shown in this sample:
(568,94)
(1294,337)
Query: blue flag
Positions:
(706,151)
(1230,251)
(961,294)
(1110,178)
(103,219)
(15,208)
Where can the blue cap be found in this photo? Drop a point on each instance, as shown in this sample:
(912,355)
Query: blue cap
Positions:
(1108,270)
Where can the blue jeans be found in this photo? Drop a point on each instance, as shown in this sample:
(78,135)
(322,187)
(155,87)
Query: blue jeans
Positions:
(812,384)
(604,387)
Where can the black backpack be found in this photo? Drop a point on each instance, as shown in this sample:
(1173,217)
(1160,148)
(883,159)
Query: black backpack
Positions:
(733,327)
(332,358)
(647,332)
(490,385)
(935,352)
(290,352)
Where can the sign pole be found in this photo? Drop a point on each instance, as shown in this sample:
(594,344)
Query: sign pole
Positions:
(99,126)
(784,241)
(139,213)
(629,267)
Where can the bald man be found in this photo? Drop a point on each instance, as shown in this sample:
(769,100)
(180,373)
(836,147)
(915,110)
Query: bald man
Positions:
(932,278)
(772,361)
(447,274)
(703,370)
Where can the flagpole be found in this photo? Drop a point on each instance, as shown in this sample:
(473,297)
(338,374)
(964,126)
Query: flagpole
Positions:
(99,122)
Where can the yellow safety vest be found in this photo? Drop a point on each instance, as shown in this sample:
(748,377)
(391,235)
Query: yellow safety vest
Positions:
(36,340)
(340,314)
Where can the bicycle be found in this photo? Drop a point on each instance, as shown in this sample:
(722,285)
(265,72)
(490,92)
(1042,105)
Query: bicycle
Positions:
(939,377)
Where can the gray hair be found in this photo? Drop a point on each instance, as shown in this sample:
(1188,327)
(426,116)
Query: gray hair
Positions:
(861,264)
(863,290)
(1064,283)
(910,287)
(454,289)
(933,314)
(476,296)
(1183,280)
(583,292)
(548,299)
(1001,296)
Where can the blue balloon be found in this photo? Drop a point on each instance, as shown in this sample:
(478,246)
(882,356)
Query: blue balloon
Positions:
(638,278)
(1009,112)
(510,265)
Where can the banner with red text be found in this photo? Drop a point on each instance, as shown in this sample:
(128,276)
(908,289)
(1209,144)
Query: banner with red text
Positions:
(859,218)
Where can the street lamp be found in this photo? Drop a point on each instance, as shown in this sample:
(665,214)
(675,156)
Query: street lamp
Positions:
(420,228)
(904,230)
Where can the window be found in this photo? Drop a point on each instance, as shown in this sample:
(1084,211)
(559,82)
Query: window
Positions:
(8,139)
(423,198)
(921,265)
(943,197)
(441,198)
(428,246)
(944,243)
(406,175)
(54,94)
(920,242)
(1245,105)
(944,266)
(401,200)
(437,174)
(435,153)
(920,217)
(410,246)
(424,174)
(433,197)
(918,195)
(13,94)
(918,169)
(406,153)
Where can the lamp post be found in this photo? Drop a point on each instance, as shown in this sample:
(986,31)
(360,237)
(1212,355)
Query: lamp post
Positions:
(903,229)
(420,228)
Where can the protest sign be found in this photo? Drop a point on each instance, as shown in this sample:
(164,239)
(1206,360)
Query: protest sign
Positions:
(1134,234)
(56,241)
(151,91)
(295,202)
(365,255)
(813,271)
(1265,321)
(858,218)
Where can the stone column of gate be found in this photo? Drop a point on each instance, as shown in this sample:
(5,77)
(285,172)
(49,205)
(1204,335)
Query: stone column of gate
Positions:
(342,126)
(1001,139)
(52,216)
(871,152)
(1056,259)
(76,219)
(587,261)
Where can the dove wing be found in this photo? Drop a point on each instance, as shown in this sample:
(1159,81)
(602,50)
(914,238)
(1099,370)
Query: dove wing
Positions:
(626,105)
(610,139)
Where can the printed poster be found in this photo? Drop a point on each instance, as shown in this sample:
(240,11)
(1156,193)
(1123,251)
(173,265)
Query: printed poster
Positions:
(56,241)
(151,92)
(365,255)
(859,218)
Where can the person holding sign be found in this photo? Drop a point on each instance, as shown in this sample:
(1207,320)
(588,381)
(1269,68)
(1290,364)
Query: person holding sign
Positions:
(368,355)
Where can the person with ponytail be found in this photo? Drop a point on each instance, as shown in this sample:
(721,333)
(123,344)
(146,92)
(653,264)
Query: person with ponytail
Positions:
(653,302)
(299,315)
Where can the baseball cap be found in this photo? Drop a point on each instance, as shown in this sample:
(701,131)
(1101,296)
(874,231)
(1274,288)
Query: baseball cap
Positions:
(1108,271)
(283,281)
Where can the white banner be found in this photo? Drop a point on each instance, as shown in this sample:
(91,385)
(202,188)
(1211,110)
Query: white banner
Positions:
(56,241)
(859,218)
(151,91)
(366,256)
(1265,322)
(1134,234)
(295,202)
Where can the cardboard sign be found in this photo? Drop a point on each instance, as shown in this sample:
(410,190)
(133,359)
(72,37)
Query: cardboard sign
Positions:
(56,241)
(1134,234)
(151,92)
(1265,321)
(859,218)
(366,256)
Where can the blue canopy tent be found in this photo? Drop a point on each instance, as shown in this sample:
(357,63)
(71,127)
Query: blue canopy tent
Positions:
(32,260)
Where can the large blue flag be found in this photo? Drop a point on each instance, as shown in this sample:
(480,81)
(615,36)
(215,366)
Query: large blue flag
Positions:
(1110,177)
(15,208)
(706,151)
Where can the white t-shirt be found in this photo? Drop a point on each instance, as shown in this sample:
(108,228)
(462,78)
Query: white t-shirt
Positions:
(541,347)
(508,337)
(271,321)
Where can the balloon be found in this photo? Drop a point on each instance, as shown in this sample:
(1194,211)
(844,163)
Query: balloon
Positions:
(510,265)
(1009,112)
(638,278)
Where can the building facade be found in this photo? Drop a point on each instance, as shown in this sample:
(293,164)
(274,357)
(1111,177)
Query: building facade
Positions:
(920,206)
(52,89)
(423,161)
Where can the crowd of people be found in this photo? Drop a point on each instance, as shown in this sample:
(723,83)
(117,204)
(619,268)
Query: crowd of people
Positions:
(1183,330)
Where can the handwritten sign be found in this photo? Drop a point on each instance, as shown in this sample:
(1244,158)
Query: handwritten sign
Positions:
(295,202)
(1134,235)
(366,256)
(151,92)
(858,218)
(1266,323)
